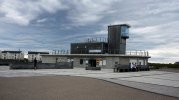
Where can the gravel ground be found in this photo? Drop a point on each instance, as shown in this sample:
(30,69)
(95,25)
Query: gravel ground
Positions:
(70,88)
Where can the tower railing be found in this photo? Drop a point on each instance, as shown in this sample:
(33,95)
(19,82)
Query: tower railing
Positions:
(96,39)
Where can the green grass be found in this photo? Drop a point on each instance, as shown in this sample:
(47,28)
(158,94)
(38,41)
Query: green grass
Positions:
(158,65)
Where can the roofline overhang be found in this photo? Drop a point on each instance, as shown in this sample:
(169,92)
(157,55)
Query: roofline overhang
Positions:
(96,55)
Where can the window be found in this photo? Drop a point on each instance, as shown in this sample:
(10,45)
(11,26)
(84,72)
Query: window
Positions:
(140,63)
(81,61)
(124,31)
(104,62)
(123,41)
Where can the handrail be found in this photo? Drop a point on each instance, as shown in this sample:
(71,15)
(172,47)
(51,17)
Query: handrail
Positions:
(129,52)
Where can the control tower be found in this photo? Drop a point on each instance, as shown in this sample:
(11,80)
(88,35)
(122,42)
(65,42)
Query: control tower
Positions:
(117,35)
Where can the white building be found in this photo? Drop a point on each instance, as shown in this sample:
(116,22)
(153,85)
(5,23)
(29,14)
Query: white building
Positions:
(98,60)
(15,55)
(32,55)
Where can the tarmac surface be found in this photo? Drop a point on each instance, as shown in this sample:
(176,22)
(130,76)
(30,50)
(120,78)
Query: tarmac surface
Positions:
(70,88)
(161,82)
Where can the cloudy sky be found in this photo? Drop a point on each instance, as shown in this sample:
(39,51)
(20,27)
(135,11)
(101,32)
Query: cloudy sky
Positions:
(46,25)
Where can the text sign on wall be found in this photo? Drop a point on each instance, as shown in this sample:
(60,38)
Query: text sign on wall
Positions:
(94,51)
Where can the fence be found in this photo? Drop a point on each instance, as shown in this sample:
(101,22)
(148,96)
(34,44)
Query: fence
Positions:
(62,65)
(104,51)
(137,53)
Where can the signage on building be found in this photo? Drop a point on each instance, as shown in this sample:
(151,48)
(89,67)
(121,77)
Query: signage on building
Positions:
(95,51)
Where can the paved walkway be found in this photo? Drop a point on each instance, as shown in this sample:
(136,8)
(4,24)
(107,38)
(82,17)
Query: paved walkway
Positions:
(161,82)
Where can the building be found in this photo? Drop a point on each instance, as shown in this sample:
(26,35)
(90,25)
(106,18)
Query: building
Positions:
(117,35)
(176,63)
(32,55)
(103,54)
(99,60)
(13,55)
(89,48)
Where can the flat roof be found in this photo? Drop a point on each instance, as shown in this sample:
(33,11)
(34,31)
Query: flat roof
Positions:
(92,42)
(97,55)
(120,25)
(11,51)
(34,52)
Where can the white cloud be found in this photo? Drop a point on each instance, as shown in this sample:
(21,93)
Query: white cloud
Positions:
(41,20)
(1,31)
(165,54)
(22,12)
(85,12)
(158,7)
(82,12)
(144,30)
(101,32)
(154,23)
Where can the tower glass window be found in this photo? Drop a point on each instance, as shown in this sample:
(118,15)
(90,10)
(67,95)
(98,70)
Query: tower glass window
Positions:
(125,31)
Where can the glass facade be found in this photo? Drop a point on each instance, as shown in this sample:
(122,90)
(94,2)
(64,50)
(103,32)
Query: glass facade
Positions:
(124,31)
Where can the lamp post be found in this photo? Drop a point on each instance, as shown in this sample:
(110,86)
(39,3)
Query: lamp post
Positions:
(85,50)
(77,49)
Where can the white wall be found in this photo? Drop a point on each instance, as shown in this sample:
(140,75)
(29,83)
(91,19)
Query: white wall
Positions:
(14,56)
(53,59)
(31,57)
(133,61)
(139,61)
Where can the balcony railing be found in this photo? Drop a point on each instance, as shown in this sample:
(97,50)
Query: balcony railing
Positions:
(137,53)
(83,51)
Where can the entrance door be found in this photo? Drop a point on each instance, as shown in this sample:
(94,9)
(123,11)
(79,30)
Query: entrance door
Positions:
(92,62)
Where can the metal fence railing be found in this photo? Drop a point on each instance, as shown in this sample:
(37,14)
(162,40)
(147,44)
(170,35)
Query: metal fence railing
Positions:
(137,53)
(83,51)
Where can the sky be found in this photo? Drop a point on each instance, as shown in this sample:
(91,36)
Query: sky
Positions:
(46,25)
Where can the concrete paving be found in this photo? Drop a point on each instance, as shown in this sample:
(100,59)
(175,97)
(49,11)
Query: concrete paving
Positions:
(161,82)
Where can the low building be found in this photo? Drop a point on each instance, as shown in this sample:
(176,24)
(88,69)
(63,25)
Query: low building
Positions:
(14,55)
(103,54)
(32,55)
(99,60)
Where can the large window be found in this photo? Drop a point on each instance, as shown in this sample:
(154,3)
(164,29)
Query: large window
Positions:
(124,31)
(104,62)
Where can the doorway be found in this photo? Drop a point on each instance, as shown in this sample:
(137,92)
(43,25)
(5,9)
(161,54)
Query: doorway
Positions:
(92,62)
